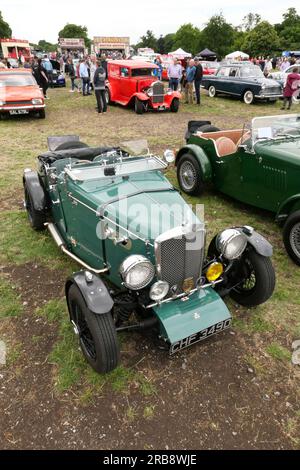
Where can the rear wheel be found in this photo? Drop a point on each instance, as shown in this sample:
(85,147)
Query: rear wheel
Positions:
(189,175)
(139,106)
(71,145)
(248,97)
(36,218)
(258,280)
(212,92)
(174,105)
(291,236)
(97,333)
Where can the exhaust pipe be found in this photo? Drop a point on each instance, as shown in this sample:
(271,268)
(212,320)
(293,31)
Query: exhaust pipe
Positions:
(61,244)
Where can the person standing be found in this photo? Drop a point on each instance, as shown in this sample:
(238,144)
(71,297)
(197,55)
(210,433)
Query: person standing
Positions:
(40,74)
(104,64)
(198,79)
(84,75)
(174,74)
(99,87)
(158,72)
(291,87)
(72,75)
(190,77)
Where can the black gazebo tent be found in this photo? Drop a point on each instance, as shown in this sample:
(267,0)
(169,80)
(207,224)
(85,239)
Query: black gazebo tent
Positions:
(207,54)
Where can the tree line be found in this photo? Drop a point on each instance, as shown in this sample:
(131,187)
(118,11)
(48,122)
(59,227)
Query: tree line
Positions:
(254,36)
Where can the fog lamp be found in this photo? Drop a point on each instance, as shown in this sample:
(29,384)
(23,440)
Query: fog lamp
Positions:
(214,271)
(159,290)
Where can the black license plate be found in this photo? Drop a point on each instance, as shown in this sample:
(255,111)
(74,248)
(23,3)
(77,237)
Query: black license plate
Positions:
(18,111)
(200,335)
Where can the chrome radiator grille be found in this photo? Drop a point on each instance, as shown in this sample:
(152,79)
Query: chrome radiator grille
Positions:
(158,92)
(179,256)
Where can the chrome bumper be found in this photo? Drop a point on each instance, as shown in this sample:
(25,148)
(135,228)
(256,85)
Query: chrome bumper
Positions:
(15,108)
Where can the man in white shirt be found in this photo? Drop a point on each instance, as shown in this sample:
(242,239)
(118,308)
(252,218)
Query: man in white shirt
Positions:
(84,75)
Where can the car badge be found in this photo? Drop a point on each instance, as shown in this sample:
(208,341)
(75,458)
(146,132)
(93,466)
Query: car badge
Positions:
(188,285)
(196,315)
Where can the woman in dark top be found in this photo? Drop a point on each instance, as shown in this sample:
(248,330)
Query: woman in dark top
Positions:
(40,74)
(99,87)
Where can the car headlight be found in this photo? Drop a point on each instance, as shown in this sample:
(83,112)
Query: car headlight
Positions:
(150,92)
(169,156)
(37,101)
(2,103)
(159,290)
(137,272)
(263,87)
(231,243)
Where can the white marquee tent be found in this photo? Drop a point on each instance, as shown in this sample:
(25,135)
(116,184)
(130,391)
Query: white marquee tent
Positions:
(237,55)
(180,54)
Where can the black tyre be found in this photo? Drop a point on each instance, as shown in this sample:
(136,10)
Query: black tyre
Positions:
(42,114)
(291,236)
(174,105)
(208,128)
(212,92)
(72,145)
(36,218)
(248,97)
(139,106)
(259,280)
(189,175)
(97,333)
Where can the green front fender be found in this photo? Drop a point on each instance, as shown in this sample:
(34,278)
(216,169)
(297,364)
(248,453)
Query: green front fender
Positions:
(287,207)
(201,157)
(181,318)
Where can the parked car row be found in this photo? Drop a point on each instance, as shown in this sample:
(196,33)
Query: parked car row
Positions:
(161,276)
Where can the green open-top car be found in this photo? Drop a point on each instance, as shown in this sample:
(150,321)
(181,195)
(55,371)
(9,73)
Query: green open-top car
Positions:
(141,248)
(260,166)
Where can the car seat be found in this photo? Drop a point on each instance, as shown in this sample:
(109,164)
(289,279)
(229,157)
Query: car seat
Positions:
(225,146)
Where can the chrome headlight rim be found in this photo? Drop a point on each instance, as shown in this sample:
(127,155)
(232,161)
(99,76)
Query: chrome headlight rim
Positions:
(163,286)
(150,91)
(37,101)
(225,241)
(2,103)
(133,262)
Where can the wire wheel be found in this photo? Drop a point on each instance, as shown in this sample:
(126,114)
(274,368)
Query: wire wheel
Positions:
(188,175)
(295,239)
(83,331)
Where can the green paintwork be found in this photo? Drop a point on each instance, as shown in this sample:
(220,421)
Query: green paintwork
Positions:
(201,157)
(180,319)
(268,177)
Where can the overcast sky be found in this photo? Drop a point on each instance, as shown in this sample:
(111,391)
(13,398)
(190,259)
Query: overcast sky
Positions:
(35,20)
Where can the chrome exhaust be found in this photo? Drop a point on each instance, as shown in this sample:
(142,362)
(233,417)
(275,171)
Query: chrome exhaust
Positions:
(61,244)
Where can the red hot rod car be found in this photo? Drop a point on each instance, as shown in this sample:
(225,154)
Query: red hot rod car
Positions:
(132,83)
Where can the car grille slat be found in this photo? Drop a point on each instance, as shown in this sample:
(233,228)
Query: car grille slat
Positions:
(158,92)
(179,257)
(21,103)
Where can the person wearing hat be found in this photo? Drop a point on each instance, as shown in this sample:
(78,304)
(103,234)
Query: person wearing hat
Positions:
(99,87)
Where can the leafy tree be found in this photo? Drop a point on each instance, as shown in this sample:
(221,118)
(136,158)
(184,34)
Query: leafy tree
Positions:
(187,37)
(149,40)
(161,45)
(250,21)
(46,46)
(262,40)
(5,30)
(218,35)
(75,31)
(169,40)
(289,30)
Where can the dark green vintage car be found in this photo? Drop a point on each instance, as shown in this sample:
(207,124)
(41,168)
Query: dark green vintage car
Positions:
(141,248)
(260,167)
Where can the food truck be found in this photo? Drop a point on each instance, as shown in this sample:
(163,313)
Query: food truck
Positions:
(11,48)
(111,44)
(75,45)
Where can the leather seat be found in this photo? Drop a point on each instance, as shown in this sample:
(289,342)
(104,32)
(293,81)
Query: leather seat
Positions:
(225,146)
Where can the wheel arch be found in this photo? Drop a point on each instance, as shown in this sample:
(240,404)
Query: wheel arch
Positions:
(287,207)
(95,293)
(201,157)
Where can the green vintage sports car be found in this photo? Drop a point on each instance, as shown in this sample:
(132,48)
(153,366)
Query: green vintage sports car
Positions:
(141,248)
(260,166)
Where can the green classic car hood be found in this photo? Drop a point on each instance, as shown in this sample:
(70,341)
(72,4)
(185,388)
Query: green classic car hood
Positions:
(145,203)
(288,149)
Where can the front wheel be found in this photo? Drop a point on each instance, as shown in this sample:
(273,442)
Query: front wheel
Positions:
(174,105)
(212,92)
(258,280)
(248,97)
(97,333)
(189,175)
(139,106)
(107,95)
(291,236)
(42,114)
(36,218)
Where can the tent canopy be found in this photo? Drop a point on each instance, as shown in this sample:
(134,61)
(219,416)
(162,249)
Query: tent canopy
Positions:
(180,53)
(236,55)
(207,53)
